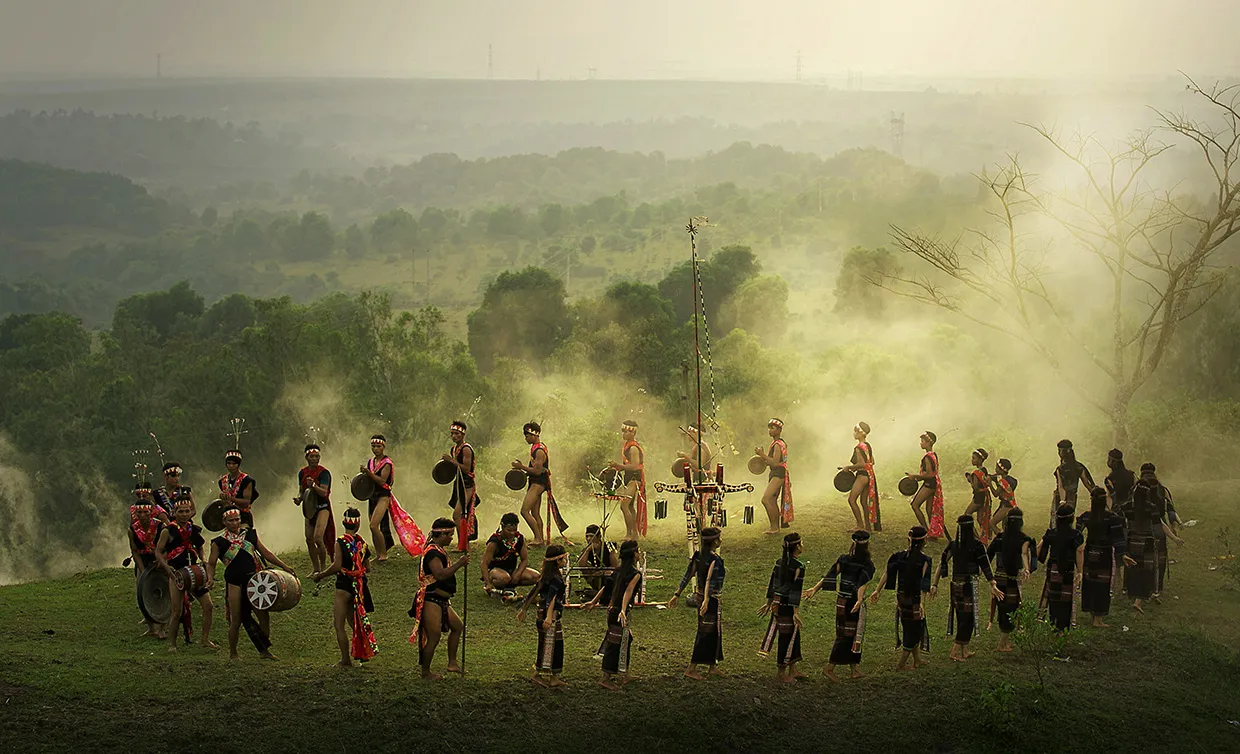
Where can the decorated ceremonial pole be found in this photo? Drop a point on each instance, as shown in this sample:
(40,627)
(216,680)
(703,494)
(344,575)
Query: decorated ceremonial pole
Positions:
(692,227)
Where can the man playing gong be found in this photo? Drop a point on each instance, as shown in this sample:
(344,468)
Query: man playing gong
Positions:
(633,466)
(180,545)
(382,472)
(464,489)
(320,528)
(777,498)
(538,472)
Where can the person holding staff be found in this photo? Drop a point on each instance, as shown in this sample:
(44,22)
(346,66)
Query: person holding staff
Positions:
(777,498)
(351,602)
(382,471)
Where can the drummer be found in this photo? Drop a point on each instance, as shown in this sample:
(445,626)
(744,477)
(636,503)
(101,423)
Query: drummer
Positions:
(143,534)
(237,487)
(464,491)
(180,545)
(382,472)
(598,562)
(505,557)
(633,465)
(243,554)
(320,528)
(777,498)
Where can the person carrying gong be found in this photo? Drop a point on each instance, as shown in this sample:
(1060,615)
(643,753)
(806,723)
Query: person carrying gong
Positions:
(777,498)
(865,485)
(538,483)
(632,465)
(382,472)
(320,528)
(238,488)
(464,489)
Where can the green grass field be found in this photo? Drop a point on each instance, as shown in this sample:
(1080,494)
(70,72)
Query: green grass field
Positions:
(75,675)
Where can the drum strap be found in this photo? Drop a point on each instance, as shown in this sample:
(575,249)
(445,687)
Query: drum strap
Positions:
(236,546)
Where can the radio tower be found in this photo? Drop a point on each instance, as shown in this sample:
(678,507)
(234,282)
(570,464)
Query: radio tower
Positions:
(897,134)
(490,63)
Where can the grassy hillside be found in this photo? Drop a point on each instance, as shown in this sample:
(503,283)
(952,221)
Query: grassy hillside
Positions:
(74,672)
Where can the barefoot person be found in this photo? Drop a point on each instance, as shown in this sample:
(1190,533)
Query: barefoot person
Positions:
(320,529)
(865,486)
(382,471)
(783,604)
(180,545)
(618,641)
(1015,556)
(930,494)
(979,482)
(908,573)
(1169,520)
(505,559)
(967,556)
(143,534)
(698,458)
(1063,551)
(538,482)
(351,602)
(464,488)
(1145,523)
(552,595)
(777,498)
(848,577)
(244,555)
(1120,482)
(238,488)
(1003,485)
(708,568)
(1104,551)
(633,466)
(432,611)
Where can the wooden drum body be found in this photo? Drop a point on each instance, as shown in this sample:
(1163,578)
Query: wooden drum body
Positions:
(273,590)
(191,579)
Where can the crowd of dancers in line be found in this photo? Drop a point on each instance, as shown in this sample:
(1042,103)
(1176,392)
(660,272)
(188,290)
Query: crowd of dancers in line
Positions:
(988,561)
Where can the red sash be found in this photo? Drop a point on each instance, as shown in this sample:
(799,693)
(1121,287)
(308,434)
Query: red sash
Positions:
(364,643)
(936,504)
(553,510)
(871,497)
(468,524)
(234,489)
(642,523)
(424,581)
(785,497)
(146,537)
(411,536)
(329,533)
(983,516)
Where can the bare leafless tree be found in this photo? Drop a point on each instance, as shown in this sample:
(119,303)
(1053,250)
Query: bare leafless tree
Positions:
(1153,247)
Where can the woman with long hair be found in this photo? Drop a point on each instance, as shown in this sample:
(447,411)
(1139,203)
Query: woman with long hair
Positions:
(1104,550)
(848,577)
(1063,551)
(707,566)
(783,604)
(1015,556)
(967,556)
(552,594)
(908,573)
(618,640)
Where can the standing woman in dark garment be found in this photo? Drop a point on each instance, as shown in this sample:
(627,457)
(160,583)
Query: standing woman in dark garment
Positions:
(865,485)
(707,566)
(1063,551)
(968,557)
(351,602)
(1104,550)
(243,555)
(783,604)
(432,611)
(552,595)
(1069,475)
(1015,557)
(848,577)
(1169,519)
(1119,482)
(1144,525)
(618,641)
(908,573)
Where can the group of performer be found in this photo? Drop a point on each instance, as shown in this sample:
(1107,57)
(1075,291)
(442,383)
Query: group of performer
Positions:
(989,560)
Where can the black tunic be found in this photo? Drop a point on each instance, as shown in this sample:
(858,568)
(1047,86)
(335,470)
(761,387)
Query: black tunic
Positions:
(243,565)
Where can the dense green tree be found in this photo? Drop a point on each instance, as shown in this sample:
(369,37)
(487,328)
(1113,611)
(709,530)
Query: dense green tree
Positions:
(855,292)
(524,315)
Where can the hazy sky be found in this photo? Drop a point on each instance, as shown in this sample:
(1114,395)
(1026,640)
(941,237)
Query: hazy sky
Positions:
(621,39)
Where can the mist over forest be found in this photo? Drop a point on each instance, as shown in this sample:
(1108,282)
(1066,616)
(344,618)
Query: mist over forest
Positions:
(387,255)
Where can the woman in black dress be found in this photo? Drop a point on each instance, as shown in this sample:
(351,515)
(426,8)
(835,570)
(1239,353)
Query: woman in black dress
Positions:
(848,577)
(707,566)
(552,594)
(618,640)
